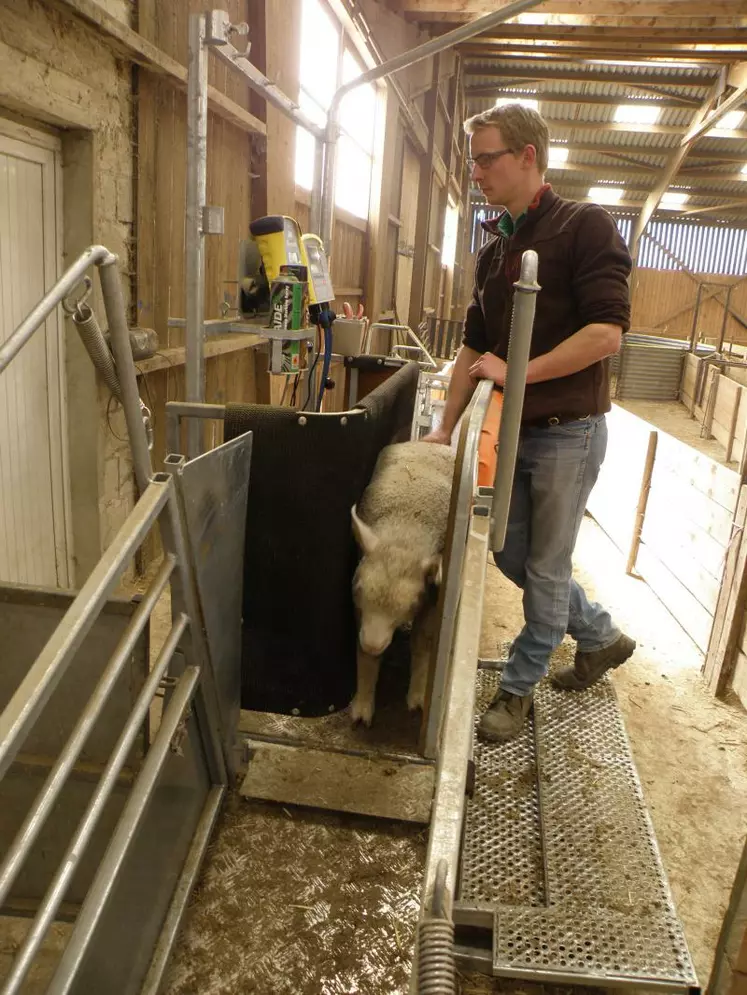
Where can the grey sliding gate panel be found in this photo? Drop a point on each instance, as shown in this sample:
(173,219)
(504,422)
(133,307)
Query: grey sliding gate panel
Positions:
(213,491)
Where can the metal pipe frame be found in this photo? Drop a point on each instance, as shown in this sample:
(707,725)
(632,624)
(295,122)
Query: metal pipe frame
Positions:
(48,668)
(116,316)
(197,100)
(467,456)
(447,816)
(54,783)
(95,255)
(95,901)
(526,289)
(213,30)
(82,836)
(111,290)
(176,410)
(425,51)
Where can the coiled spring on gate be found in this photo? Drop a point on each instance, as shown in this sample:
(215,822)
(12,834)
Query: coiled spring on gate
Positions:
(436,972)
(93,339)
(436,969)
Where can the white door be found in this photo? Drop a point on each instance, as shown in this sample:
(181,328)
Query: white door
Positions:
(34,506)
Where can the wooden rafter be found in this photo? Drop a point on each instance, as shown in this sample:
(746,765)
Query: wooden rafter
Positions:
(425,9)
(701,126)
(490,90)
(670,170)
(589,74)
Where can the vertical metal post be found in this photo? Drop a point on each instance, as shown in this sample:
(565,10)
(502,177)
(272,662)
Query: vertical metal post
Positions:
(525,301)
(315,211)
(196,190)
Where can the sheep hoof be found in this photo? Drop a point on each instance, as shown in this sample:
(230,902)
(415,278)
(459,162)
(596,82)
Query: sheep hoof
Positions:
(361,711)
(415,700)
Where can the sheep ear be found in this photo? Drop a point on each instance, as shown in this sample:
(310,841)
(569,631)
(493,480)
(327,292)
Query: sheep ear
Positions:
(433,570)
(364,535)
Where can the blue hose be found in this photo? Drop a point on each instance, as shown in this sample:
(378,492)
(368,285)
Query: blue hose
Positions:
(327,325)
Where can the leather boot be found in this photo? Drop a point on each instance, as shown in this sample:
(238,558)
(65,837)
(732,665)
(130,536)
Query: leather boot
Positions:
(588,668)
(505,717)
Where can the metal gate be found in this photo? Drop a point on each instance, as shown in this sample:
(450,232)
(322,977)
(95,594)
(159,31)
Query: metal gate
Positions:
(107,801)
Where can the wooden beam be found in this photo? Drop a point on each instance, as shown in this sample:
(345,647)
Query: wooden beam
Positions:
(626,22)
(588,74)
(708,156)
(670,170)
(726,205)
(698,182)
(635,185)
(701,125)
(135,48)
(608,8)
(494,89)
(586,33)
(609,48)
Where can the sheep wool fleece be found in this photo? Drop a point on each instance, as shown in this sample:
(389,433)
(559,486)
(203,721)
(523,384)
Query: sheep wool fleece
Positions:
(410,490)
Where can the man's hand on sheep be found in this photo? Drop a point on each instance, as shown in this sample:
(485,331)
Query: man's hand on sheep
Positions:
(438,435)
(489,367)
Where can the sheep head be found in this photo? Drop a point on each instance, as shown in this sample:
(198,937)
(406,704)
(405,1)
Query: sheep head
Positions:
(389,587)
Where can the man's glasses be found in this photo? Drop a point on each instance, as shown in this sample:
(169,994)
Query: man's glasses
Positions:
(486,158)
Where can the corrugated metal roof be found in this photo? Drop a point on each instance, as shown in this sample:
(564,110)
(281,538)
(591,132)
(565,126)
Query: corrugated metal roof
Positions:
(611,69)
(577,122)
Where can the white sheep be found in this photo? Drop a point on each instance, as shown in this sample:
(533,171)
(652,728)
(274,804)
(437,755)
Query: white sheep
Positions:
(400,530)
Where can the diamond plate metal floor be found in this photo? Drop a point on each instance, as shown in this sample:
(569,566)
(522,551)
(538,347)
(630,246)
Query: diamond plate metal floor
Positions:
(559,843)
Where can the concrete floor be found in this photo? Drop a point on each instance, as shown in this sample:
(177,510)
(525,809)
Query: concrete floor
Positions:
(691,753)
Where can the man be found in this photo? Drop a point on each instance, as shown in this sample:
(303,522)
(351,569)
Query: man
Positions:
(582,311)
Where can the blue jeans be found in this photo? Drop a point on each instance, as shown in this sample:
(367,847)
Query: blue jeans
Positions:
(556,468)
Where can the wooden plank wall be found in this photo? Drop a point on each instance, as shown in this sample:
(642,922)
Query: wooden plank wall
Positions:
(348,257)
(687,523)
(161,179)
(663,303)
(714,398)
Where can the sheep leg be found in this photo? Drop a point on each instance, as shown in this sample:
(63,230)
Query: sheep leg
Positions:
(362,705)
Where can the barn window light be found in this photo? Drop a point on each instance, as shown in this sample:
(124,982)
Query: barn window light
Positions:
(524,101)
(532,19)
(744,168)
(559,155)
(606,195)
(637,113)
(673,199)
(729,122)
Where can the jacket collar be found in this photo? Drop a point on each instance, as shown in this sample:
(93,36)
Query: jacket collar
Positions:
(503,224)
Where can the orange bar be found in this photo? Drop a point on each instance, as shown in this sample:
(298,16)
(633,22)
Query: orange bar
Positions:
(488,448)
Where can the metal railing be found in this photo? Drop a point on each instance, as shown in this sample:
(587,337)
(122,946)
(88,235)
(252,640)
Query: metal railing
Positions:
(189,684)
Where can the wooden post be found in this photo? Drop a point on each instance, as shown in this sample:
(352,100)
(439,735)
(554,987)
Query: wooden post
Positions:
(640,514)
(728,621)
(729,975)
(706,432)
(743,462)
(733,425)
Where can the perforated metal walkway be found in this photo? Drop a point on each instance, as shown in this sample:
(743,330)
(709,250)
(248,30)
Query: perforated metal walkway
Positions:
(559,861)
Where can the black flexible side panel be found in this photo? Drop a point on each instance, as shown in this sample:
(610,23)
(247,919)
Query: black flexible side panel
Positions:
(298,653)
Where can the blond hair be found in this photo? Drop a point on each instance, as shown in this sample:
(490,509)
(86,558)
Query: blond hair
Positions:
(519,126)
